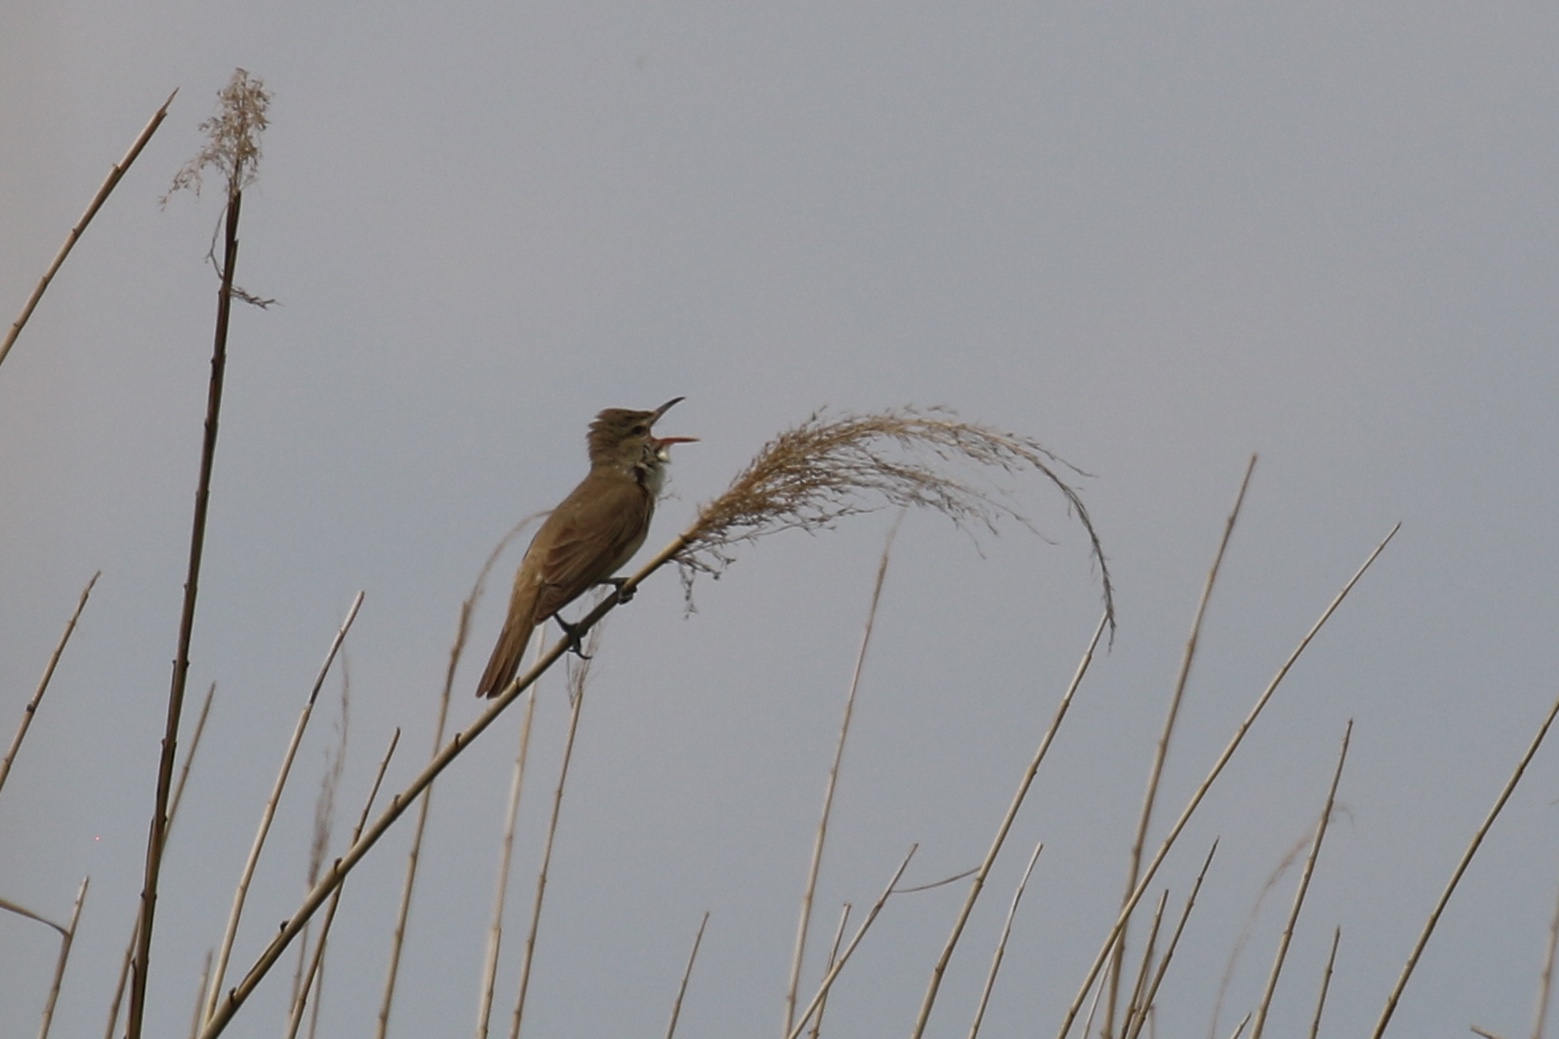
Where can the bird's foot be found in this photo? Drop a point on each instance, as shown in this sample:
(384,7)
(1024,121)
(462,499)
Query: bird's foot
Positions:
(575,638)
(624,593)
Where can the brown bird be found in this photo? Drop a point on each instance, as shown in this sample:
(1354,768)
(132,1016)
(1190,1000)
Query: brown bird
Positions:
(590,536)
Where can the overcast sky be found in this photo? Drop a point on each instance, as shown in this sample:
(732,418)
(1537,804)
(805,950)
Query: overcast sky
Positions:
(1157,237)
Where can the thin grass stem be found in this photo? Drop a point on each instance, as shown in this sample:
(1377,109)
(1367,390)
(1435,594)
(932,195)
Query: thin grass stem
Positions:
(115,173)
(1265,1006)
(1217,769)
(1326,981)
(67,939)
(687,974)
(1145,1005)
(1001,943)
(1161,750)
(844,957)
(809,890)
(1003,828)
(31,710)
(268,813)
(833,957)
(1461,868)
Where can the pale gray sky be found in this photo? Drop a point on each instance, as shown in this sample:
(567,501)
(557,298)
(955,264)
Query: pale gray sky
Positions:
(1157,237)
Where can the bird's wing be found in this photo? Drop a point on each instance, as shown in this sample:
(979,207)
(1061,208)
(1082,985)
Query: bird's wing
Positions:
(600,525)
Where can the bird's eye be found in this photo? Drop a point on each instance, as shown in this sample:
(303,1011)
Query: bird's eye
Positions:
(640,430)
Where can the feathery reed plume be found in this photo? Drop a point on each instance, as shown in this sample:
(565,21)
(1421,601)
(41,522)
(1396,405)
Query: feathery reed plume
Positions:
(815,474)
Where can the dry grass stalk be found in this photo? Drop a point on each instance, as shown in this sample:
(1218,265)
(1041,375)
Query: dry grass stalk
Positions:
(833,957)
(810,888)
(325,811)
(577,699)
(268,813)
(67,938)
(1326,982)
(1150,994)
(1548,976)
(1001,943)
(1217,769)
(825,469)
(115,173)
(505,858)
(1136,1007)
(31,709)
(1461,867)
(1161,751)
(1240,1028)
(844,957)
(1002,829)
(173,811)
(687,974)
(316,962)
(234,134)
(1265,1005)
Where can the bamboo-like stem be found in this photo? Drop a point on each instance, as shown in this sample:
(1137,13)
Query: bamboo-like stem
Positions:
(1240,1028)
(676,1006)
(1001,943)
(1456,875)
(833,957)
(1265,1006)
(809,890)
(31,709)
(1093,1006)
(578,698)
(67,938)
(156,838)
(1002,829)
(1145,1005)
(1541,1017)
(1212,776)
(197,1011)
(506,856)
(268,813)
(844,957)
(316,963)
(1135,1006)
(1161,750)
(1326,982)
(173,811)
(115,173)
(413,859)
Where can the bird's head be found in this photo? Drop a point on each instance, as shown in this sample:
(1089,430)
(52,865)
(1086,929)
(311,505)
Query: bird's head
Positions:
(625,438)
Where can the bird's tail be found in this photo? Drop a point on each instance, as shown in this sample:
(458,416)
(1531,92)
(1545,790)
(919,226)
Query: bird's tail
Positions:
(505,661)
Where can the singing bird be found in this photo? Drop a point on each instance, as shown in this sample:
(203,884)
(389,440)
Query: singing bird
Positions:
(590,535)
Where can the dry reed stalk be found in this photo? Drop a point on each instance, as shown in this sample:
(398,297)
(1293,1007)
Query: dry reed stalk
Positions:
(1326,981)
(1264,1007)
(234,149)
(844,957)
(173,811)
(1002,829)
(577,699)
(1548,976)
(197,1010)
(316,962)
(268,813)
(809,890)
(1456,875)
(1161,750)
(31,709)
(1145,1005)
(506,856)
(115,173)
(687,974)
(833,957)
(1135,1007)
(1240,1028)
(1001,943)
(325,811)
(1217,769)
(67,939)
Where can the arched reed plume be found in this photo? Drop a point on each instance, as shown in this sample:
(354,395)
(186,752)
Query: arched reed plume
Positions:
(827,468)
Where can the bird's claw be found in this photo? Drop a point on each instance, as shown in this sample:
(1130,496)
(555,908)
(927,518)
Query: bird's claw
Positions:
(624,591)
(574,637)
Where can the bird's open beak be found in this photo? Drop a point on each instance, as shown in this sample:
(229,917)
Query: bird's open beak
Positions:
(663,443)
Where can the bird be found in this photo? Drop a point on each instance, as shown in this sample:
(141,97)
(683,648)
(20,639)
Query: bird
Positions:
(589,536)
